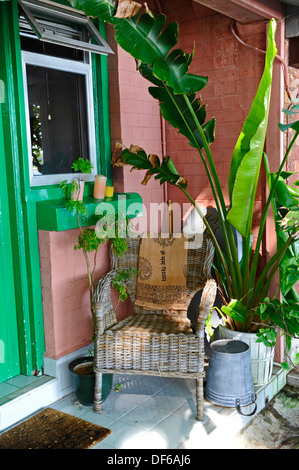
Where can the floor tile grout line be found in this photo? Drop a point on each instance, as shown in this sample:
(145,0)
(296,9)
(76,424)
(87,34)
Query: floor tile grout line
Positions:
(134,408)
(166,417)
(150,407)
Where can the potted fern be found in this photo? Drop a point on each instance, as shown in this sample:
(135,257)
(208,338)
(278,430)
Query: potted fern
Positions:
(243,286)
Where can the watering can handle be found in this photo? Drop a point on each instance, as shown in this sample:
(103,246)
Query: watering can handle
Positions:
(238,406)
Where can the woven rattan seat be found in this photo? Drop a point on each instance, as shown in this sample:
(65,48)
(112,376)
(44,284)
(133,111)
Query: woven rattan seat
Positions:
(154,342)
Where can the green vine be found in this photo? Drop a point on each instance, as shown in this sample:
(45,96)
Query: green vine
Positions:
(119,284)
(119,281)
(90,238)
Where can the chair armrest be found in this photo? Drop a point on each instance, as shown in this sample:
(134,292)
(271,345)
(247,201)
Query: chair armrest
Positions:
(103,309)
(206,304)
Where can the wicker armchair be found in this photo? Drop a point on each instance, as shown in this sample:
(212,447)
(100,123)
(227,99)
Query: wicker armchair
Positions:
(154,342)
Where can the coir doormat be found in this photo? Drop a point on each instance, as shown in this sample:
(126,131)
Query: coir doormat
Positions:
(52,429)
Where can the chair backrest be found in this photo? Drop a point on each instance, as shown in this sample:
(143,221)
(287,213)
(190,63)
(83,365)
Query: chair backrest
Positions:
(199,261)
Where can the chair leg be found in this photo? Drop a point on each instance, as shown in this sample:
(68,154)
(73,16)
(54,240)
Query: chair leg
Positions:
(199,399)
(98,403)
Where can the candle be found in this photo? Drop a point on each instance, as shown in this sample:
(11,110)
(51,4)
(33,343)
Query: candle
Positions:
(109,191)
(99,187)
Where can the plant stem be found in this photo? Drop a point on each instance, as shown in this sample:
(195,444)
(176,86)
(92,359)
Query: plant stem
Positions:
(212,235)
(261,288)
(90,275)
(221,207)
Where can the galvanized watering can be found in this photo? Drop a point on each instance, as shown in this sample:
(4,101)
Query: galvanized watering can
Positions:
(229,381)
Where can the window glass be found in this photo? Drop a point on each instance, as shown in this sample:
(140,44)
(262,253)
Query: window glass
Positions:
(47,48)
(58,119)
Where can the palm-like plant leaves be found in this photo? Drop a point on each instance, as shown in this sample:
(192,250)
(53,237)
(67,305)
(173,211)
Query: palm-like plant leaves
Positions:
(150,42)
(183,120)
(148,39)
(174,109)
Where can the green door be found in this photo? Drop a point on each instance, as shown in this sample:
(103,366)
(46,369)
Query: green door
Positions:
(21,315)
(9,344)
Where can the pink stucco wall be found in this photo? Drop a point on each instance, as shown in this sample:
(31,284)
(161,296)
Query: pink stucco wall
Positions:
(67,317)
(65,292)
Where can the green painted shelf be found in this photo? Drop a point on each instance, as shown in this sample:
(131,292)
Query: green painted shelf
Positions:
(54,216)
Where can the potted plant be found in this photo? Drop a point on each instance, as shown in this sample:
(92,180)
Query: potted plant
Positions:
(260,326)
(75,189)
(243,285)
(89,239)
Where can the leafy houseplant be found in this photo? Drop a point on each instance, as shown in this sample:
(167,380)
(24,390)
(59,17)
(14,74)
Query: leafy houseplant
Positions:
(74,190)
(89,239)
(244,285)
(119,284)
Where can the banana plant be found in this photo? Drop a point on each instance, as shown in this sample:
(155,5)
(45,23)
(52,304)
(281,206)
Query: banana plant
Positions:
(152,43)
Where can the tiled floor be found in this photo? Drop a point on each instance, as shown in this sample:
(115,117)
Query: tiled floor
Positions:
(155,413)
(146,412)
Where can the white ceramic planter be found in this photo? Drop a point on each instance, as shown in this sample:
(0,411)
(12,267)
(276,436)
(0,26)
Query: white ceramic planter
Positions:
(261,356)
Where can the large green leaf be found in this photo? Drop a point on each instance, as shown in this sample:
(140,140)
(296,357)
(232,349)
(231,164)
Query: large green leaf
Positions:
(138,159)
(103,9)
(284,203)
(283,195)
(236,310)
(247,156)
(173,71)
(174,109)
(150,41)
(146,39)
(292,125)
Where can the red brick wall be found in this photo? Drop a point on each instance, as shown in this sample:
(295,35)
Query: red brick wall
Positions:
(135,119)
(234,72)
